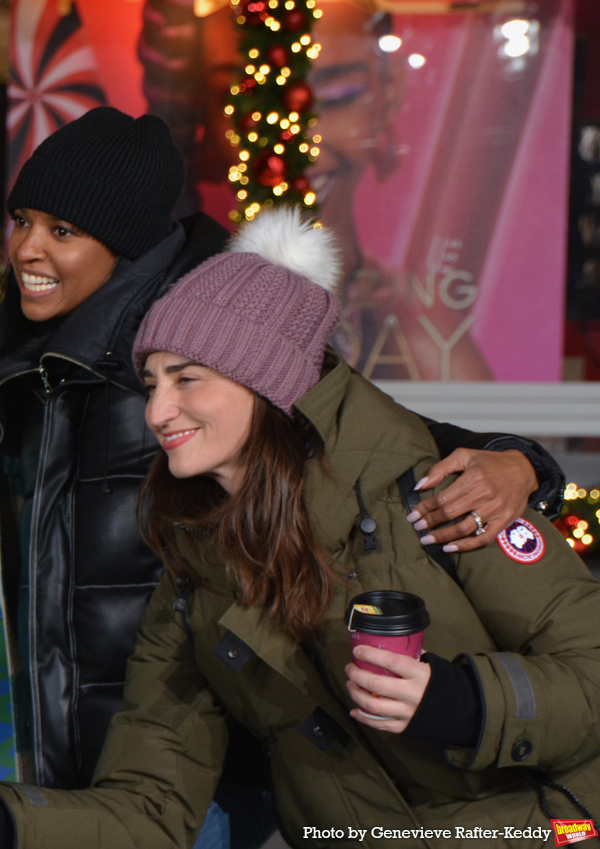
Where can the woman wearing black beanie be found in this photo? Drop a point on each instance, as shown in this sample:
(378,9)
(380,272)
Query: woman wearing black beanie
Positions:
(94,245)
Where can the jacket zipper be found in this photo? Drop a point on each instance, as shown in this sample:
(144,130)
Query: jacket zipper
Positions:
(45,381)
(33,670)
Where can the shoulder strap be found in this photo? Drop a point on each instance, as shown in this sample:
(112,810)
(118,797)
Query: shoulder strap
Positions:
(412,499)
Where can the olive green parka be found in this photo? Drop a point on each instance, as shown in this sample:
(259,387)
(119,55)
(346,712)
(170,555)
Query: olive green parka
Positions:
(530,630)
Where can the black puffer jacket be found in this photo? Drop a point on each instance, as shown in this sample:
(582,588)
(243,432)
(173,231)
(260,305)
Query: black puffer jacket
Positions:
(90,576)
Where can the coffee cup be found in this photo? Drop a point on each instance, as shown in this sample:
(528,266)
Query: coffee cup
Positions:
(389,620)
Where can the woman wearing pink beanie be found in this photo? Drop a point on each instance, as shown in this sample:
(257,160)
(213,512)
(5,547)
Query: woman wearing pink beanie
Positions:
(278,497)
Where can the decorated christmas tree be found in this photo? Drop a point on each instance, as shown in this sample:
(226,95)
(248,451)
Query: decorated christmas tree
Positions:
(271,105)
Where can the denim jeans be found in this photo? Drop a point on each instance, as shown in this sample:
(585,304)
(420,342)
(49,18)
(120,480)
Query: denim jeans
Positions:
(215,832)
(238,818)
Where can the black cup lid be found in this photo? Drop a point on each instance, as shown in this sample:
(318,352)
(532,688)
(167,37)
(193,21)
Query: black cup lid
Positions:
(402,614)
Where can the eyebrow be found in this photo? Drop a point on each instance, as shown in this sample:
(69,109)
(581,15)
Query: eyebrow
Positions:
(176,367)
(323,74)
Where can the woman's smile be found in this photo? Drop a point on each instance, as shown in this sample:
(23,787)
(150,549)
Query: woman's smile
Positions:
(174,439)
(38,283)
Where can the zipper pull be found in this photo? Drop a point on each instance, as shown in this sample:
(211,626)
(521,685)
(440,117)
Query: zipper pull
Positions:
(109,362)
(45,381)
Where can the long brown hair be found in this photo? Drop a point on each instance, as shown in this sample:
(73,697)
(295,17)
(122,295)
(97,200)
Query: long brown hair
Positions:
(262,531)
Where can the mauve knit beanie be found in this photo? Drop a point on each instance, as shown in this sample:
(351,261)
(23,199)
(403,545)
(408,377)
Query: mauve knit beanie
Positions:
(115,177)
(254,313)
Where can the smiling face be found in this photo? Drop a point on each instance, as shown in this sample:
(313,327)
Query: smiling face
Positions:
(201,418)
(57,266)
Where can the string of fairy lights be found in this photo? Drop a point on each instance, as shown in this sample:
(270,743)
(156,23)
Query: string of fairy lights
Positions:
(271,105)
(579,521)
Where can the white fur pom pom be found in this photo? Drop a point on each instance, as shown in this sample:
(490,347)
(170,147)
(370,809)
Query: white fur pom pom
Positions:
(283,237)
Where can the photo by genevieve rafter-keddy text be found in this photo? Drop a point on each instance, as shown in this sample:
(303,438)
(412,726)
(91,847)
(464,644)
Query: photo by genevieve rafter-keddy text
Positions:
(457,832)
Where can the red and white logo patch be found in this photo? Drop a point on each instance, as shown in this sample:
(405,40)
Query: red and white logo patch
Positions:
(572,831)
(522,542)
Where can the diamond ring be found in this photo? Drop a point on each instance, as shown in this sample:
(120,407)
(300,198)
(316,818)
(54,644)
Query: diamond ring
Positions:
(480,526)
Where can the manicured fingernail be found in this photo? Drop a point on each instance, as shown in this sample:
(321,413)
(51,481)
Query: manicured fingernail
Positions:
(450,547)
(428,539)
(422,482)
(357,651)
(420,526)
(412,517)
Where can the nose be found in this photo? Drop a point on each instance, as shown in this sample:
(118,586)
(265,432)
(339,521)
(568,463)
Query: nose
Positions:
(29,245)
(161,408)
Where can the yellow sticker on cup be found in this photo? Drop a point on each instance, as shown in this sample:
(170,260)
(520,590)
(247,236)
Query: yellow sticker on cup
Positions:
(368,608)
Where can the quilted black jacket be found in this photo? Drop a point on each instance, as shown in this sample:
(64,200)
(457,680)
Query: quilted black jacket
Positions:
(90,576)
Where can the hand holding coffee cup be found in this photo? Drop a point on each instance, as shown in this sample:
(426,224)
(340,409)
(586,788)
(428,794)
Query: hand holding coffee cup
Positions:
(387,681)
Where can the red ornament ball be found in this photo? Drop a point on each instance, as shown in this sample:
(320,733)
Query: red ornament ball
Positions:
(277,55)
(247,123)
(298,96)
(269,169)
(294,20)
(248,85)
(300,184)
(255,11)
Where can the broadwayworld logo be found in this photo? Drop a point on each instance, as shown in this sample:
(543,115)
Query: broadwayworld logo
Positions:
(572,831)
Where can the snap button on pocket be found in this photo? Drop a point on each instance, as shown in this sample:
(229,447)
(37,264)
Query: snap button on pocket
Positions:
(521,750)
(233,651)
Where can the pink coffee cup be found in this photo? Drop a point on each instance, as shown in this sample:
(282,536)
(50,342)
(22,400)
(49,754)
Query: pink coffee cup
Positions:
(409,645)
(398,628)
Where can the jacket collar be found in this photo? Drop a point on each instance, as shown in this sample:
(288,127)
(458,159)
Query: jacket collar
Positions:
(358,422)
(108,319)
(366,435)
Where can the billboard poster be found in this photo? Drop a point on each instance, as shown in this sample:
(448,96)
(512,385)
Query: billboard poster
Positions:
(443,165)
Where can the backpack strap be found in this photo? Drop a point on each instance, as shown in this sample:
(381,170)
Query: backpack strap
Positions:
(412,499)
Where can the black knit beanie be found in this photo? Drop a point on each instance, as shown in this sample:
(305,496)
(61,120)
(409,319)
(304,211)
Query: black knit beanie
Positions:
(115,177)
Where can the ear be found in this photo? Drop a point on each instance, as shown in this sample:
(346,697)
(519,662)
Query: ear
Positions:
(393,83)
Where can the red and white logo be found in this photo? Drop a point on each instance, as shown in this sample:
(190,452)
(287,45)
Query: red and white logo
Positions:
(572,831)
(522,542)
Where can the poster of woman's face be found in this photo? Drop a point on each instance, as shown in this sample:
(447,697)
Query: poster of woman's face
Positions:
(443,165)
